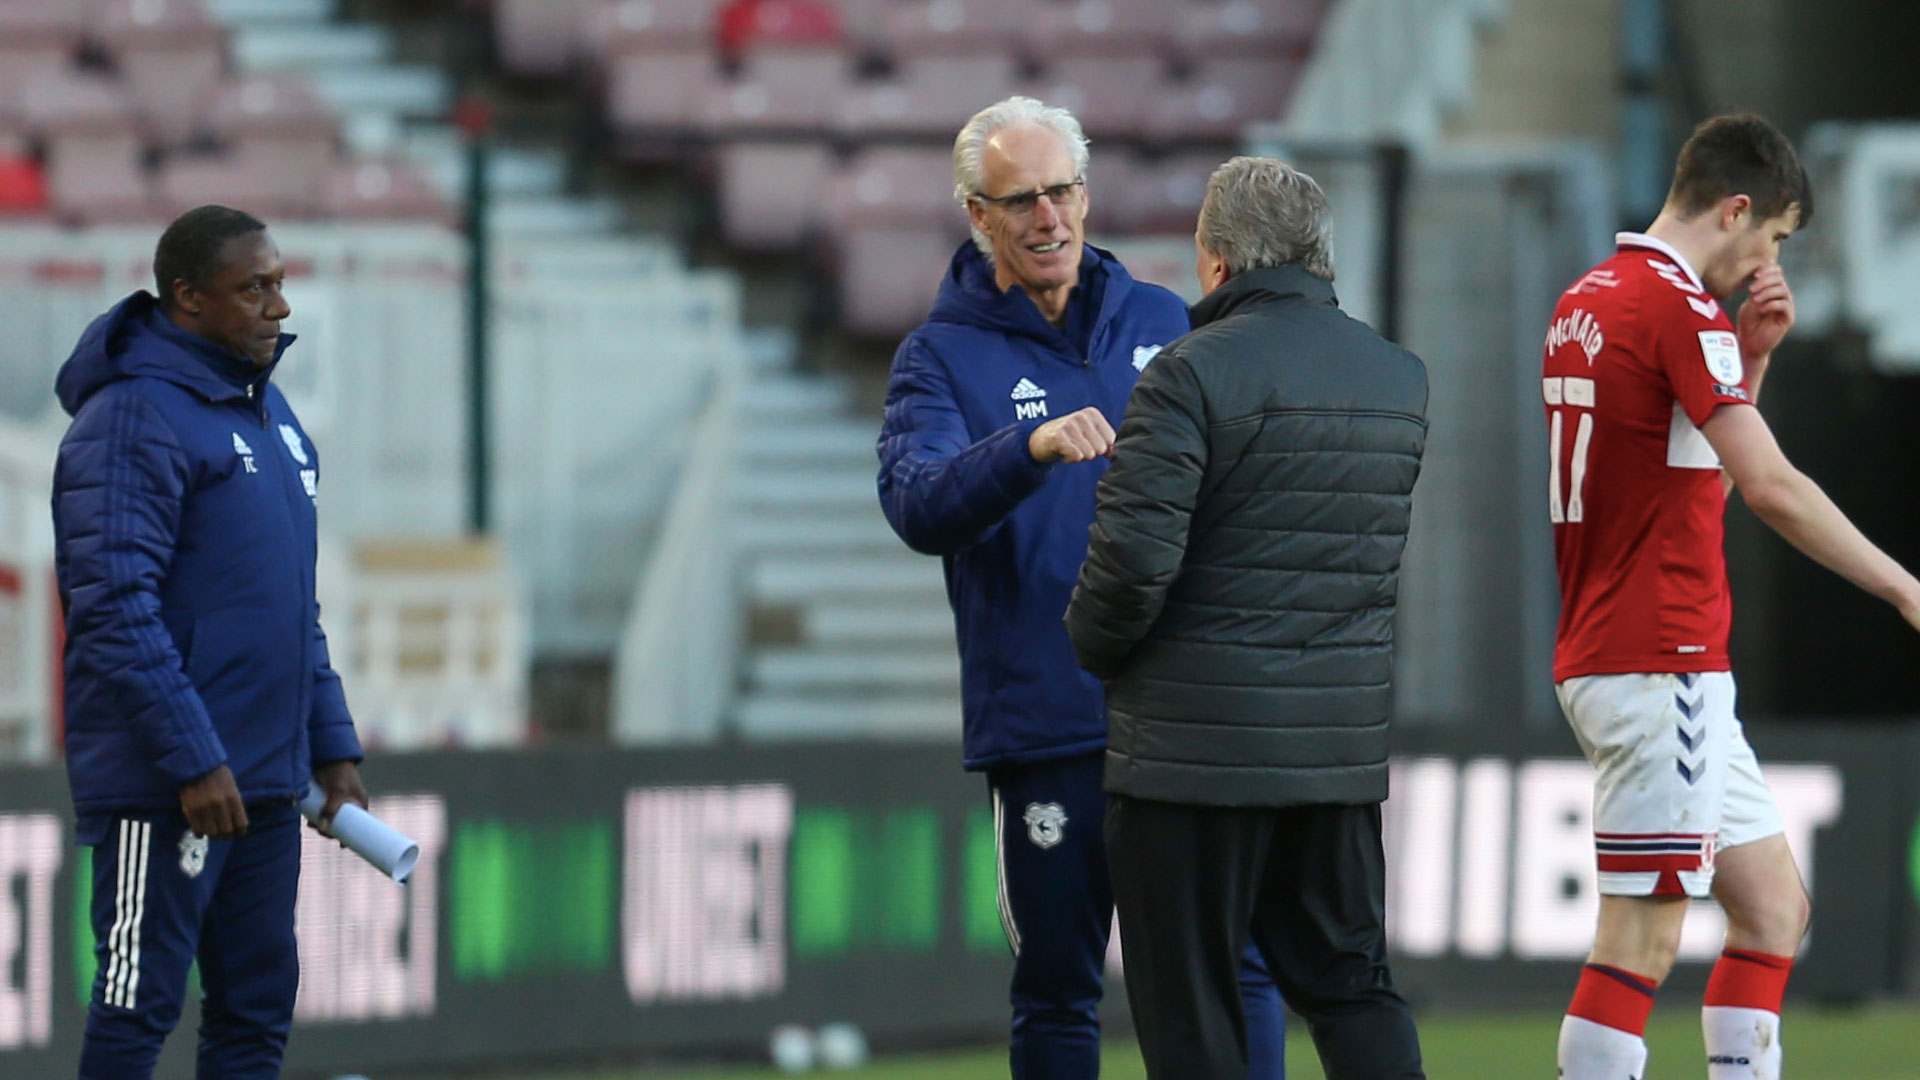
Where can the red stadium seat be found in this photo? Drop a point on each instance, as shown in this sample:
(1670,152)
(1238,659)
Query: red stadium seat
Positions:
(864,23)
(932,96)
(744,24)
(921,27)
(23,186)
(93,144)
(1102,27)
(1166,195)
(791,90)
(770,193)
(896,186)
(189,181)
(1109,94)
(1221,98)
(654,95)
(1111,181)
(1206,29)
(94,148)
(37,39)
(169,52)
(384,191)
(888,277)
(276,128)
(649,26)
(540,37)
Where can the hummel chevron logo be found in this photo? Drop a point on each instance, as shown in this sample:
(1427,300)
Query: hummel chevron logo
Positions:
(1708,309)
(1024,390)
(1692,732)
(1672,275)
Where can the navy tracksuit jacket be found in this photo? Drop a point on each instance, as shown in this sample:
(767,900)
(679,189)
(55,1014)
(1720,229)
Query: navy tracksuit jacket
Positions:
(957,480)
(183,505)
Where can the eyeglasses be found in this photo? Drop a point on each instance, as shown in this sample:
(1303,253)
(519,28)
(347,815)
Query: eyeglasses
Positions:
(1021,204)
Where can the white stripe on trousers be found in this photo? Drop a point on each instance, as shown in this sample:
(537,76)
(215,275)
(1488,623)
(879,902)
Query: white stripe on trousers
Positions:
(1007,924)
(129,910)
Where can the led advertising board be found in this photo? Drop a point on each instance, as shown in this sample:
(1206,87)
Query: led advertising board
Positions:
(588,904)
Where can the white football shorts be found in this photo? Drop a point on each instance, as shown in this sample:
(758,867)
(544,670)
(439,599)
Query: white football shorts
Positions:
(1676,780)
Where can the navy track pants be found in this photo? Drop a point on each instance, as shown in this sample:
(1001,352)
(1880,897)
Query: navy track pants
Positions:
(1056,905)
(163,897)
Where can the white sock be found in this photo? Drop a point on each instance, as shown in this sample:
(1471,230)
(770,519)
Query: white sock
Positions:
(1590,1051)
(1742,1044)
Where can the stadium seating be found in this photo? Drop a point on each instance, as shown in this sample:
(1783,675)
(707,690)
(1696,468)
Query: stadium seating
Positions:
(1163,81)
(128,111)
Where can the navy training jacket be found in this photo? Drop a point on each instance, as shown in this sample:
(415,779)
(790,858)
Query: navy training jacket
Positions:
(956,480)
(183,511)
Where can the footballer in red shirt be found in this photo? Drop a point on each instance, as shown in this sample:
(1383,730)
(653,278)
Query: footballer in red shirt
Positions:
(1650,390)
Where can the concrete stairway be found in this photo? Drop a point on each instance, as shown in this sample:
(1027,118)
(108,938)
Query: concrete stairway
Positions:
(850,630)
(392,106)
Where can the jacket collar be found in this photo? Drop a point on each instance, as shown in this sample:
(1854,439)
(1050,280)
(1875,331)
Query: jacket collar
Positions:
(135,338)
(970,296)
(1642,240)
(220,373)
(1268,283)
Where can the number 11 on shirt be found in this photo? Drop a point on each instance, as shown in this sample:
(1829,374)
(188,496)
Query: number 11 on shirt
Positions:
(1568,395)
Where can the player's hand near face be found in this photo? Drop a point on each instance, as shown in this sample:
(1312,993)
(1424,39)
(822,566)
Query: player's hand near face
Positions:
(1766,316)
(1078,436)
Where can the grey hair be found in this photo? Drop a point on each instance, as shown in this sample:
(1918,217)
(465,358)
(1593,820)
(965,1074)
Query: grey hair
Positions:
(1262,212)
(971,144)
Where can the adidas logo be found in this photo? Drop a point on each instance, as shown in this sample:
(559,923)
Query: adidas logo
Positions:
(1024,390)
(246,453)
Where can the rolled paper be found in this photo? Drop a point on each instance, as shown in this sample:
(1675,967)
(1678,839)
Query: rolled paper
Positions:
(389,850)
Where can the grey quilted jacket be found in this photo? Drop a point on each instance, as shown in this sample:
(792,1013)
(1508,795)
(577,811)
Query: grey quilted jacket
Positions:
(1240,582)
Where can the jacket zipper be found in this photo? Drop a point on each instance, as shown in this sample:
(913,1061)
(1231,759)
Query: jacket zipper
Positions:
(304,701)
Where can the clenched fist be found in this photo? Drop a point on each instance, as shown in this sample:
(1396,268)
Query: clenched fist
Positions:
(1079,436)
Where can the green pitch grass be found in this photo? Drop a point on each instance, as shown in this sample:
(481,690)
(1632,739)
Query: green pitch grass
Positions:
(1875,1043)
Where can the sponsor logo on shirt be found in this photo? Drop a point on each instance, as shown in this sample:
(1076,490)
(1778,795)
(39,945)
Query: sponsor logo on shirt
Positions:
(1594,282)
(1029,401)
(1721,350)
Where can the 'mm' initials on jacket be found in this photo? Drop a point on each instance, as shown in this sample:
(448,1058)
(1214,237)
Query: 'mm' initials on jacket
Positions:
(1029,401)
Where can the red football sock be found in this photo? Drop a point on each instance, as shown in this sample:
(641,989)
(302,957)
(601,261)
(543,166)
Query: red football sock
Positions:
(1749,980)
(1613,998)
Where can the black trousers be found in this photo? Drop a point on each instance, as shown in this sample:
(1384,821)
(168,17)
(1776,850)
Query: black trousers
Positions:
(1309,882)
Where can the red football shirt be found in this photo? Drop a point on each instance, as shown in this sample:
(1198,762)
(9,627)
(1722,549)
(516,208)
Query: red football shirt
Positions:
(1638,356)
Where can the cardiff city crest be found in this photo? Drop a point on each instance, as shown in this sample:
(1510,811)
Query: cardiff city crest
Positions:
(1046,823)
(193,854)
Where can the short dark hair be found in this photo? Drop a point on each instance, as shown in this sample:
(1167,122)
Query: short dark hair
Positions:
(1741,155)
(191,247)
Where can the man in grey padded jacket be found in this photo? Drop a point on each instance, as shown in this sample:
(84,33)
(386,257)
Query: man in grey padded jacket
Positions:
(1238,596)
